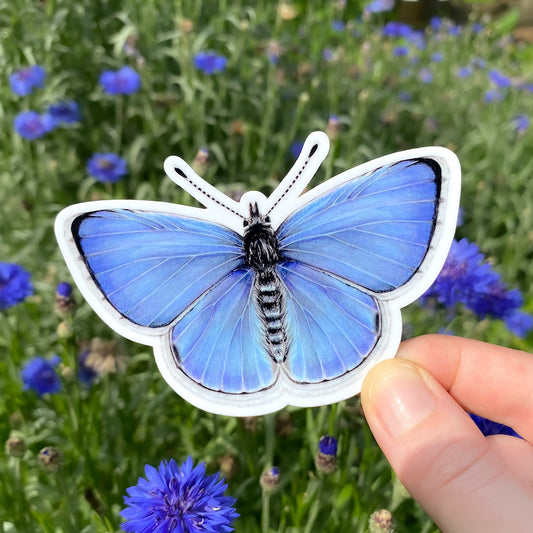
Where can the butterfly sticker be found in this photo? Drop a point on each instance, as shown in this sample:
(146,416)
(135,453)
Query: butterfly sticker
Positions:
(254,305)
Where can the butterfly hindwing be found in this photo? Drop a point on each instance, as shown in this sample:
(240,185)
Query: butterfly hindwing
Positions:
(332,326)
(220,343)
(373,231)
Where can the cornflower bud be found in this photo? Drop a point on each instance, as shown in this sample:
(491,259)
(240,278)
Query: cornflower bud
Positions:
(50,458)
(380,522)
(269,479)
(326,457)
(15,446)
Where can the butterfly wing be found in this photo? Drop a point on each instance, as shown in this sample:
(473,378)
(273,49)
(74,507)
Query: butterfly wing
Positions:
(332,326)
(151,266)
(373,231)
(178,283)
(220,343)
(357,249)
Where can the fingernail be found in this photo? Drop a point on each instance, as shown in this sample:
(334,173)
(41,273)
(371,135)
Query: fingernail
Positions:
(401,398)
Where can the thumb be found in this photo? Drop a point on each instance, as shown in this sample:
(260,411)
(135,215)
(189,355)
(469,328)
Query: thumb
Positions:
(439,454)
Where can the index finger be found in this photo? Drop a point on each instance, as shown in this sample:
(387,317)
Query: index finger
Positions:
(491,381)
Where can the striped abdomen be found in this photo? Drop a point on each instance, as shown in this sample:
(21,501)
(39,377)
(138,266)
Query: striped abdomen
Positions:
(272,313)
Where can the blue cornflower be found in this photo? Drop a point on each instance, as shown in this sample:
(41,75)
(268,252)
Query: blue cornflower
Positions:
(493,95)
(397,29)
(477,27)
(327,54)
(178,499)
(404,96)
(209,62)
(122,81)
(436,23)
(464,72)
(437,57)
(519,323)
(425,75)
(296,148)
(454,29)
(15,285)
(31,125)
(463,272)
(40,375)
(521,123)
(400,51)
(500,80)
(108,168)
(328,445)
(65,112)
(418,39)
(23,81)
(338,25)
(466,278)
(488,427)
(379,6)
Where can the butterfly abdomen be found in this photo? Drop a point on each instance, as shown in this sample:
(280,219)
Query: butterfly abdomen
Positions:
(272,313)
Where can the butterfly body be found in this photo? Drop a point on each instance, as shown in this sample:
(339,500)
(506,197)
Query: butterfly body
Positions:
(289,299)
(261,248)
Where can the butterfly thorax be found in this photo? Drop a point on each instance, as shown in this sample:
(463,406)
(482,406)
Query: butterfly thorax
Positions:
(260,243)
(261,249)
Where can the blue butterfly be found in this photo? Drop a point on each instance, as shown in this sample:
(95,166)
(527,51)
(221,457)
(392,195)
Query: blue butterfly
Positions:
(289,299)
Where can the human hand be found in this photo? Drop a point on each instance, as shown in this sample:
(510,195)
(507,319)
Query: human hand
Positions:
(415,405)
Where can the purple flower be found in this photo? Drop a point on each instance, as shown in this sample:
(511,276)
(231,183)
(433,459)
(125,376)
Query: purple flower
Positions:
(466,278)
(521,123)
(500,80)
(31,125)
(519,323)
(209,62)
(65,112)
(122,81)
(464,72)
(296,148)
(108,168)
(176,498)
(437,57)
(23,81)
(425,75)
(379,6)
(488,427)
(404,96)
(40,375)
(338,25)
(435,23)
(15,285)
(328,445)
(493,96)
(397,29)
(400,51)
(477,27)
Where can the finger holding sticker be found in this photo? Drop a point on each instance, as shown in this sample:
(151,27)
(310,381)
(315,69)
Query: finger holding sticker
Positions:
(291,299)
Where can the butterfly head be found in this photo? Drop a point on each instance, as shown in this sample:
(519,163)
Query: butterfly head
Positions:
(260,242)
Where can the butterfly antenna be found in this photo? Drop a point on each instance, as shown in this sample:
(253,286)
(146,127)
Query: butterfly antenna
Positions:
(313,153)
(182,174)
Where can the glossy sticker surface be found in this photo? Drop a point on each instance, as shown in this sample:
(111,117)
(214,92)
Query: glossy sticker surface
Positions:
(254,305)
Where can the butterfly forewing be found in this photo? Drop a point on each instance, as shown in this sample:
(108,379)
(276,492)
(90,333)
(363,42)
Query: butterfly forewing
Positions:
(152,266)
(373,231)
